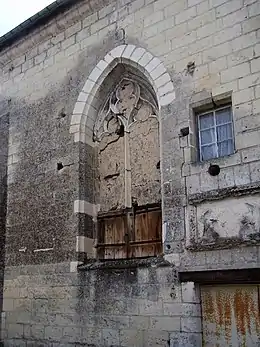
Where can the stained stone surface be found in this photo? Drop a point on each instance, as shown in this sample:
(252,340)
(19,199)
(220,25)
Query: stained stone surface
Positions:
(46,302)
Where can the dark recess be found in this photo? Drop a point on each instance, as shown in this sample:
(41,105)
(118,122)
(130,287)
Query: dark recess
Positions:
(223,276)
(214,170)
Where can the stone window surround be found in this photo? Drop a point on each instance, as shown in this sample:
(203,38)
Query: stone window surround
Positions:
(213,127)
(197,166)
(82,118)
(201,106)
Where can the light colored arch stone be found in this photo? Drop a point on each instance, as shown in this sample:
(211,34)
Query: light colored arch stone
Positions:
(84,114)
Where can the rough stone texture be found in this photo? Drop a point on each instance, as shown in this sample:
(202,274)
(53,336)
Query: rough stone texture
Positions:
(140,305)
(127,136)
(42,78)
(4,132)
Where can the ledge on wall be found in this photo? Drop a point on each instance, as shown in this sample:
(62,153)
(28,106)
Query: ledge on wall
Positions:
(125,264)
(222,277)
(225,243)
(218,194)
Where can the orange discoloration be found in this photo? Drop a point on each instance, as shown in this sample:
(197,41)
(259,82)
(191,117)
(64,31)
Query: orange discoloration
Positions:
(208,307)
(219,308)
(231,313)
(227,317)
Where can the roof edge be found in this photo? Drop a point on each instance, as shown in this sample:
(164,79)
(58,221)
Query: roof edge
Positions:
(36,20)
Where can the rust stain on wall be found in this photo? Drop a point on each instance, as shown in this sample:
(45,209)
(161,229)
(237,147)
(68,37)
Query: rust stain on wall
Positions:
(230,315)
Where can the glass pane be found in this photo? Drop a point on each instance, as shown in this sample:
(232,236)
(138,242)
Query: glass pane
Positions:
(206,121)
(207,136)
(225,148)
(223,116)
(208,152)
(224,132)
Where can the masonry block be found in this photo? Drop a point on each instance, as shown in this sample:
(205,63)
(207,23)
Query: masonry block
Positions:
(50,87)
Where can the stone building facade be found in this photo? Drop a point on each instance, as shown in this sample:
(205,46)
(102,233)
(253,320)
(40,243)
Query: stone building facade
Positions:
(130,174)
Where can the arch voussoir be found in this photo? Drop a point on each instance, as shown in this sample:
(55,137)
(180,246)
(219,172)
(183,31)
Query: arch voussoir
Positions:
(152,67)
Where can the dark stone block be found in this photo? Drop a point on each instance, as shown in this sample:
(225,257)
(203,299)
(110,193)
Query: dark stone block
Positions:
(86,225)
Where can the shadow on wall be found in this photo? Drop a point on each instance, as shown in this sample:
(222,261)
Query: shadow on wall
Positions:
(4,134)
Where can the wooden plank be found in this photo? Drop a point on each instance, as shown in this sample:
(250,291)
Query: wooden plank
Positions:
(109,238)
(109,231)
(147,234)
(120,229)
(100,238)
(141,227)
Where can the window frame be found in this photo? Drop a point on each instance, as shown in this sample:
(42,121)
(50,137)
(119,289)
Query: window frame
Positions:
(213,110)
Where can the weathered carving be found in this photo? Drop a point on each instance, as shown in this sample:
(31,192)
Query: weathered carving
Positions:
(127,130)
(122,108)
(222,220)
(144,150)
(210,224)
(250,221)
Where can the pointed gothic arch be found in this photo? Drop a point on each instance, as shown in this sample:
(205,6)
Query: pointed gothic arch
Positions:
(95,122)
(151,67)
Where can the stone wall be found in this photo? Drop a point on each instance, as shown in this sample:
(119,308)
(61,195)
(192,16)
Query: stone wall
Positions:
(41,78)
(100,306)
(4,130)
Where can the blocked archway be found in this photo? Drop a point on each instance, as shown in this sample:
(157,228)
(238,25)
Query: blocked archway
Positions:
(153,75)
(153,69)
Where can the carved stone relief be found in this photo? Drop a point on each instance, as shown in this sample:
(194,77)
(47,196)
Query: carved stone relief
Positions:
(229,218)
(127,133)
(144,151)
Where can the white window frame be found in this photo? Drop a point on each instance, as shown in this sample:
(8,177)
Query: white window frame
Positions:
(213,111)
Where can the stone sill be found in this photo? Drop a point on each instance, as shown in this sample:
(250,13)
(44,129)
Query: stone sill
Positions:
(225,243)
(218,194)
(124,264)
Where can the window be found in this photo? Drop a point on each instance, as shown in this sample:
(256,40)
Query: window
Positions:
(215,130)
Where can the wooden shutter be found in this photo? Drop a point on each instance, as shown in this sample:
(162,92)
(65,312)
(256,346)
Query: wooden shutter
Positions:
(130,234)
(146,240)
(111,242)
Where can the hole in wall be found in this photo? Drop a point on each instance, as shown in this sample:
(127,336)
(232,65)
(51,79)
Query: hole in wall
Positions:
(114,175)
(214,170)
(185,131)
(120,131)
(120,34)
(59,166)
(158,165)
(62,114)
(134,202)
(168,247)
(191,67)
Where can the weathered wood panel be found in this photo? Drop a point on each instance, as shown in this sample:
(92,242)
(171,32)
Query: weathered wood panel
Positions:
(130,235)
(147,234)
(111,241)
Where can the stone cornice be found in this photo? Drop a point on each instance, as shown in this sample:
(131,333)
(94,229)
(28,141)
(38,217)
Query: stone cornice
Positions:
(235,191)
